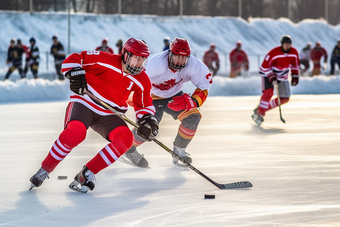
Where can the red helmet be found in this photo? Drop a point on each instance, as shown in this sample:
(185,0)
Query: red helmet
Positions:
(105,40)
(136,47)
(137,51)
(180,46)
(179,54)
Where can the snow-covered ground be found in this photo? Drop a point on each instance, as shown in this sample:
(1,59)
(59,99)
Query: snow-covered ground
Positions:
(31,90)
(294,168)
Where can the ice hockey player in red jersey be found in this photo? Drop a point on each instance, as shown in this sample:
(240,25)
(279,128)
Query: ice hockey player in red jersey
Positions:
(111,78)
(104,47)
(168,72)
(275,69)
(238,59)
(211,59)
(316,54)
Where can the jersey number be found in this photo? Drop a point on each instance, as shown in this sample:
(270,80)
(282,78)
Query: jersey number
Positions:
(129,88)
(93,52)
(209,77)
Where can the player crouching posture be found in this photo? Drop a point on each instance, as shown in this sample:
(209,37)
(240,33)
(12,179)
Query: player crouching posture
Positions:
(111,78)
(168,72)
(275,69)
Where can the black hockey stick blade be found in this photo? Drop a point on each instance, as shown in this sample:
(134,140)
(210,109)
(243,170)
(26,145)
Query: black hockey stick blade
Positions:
(241,184)
(283,120)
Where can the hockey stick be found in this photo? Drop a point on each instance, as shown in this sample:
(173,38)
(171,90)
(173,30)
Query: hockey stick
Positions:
(279,101)
(241,184)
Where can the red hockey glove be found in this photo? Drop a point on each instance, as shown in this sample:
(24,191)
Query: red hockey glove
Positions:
(77,79)
(148,127)
(272,77)
(295,79)
(183,102)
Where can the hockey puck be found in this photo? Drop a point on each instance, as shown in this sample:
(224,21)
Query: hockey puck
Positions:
(62,177)
(209,196)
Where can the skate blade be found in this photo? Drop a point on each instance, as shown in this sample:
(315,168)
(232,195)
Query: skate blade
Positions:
(32,186)
(75,186)
(254,117)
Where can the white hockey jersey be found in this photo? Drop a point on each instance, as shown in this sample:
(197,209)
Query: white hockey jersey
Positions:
(166,83)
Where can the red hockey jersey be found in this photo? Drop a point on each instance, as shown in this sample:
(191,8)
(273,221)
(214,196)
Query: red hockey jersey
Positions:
(279,62)
(106,80)
(317,53)
(107,49)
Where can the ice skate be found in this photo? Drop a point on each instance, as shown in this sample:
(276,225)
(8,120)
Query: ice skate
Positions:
(181,153)
(83,181)
(38,178)
(136,158)
(258,118)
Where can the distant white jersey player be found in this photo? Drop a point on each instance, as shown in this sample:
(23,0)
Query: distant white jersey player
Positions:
(168,72)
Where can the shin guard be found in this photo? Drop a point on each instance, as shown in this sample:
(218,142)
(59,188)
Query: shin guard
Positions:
(264,102)
(121,138)
(73,134)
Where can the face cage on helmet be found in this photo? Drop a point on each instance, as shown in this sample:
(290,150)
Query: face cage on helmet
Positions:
(134,70)
(175,67)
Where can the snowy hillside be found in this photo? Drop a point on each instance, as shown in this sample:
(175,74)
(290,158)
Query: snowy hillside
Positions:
(87,31)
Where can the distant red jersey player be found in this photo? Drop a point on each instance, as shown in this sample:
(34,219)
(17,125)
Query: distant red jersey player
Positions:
(111,78)
(104,47)
(238,59)
(316,54)
(275,69)
(211,60)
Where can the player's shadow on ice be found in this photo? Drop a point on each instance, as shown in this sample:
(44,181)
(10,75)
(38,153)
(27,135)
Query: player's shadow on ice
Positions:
(130,194)
(258,130)
(29,211)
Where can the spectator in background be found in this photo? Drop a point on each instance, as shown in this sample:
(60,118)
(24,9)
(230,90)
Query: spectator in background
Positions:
(335,57)
(166,43)
(58,52)
(32,62)
(238,58)
(104,47)
(14,58)
(27,55)
(211,60)
(119,45)
(305,57)
(316,54)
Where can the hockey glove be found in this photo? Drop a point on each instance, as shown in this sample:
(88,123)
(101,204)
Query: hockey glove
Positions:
(148,127)
(183,102)
(295,79)
(77,79)
(272,77)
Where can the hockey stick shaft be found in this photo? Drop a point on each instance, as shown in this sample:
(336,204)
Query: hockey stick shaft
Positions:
(279,101)
(242,184)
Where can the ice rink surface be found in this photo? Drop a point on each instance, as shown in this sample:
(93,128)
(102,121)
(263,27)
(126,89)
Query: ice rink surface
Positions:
(294,167)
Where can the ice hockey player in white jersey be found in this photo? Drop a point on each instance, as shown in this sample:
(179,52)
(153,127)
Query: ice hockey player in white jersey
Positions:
(168,72)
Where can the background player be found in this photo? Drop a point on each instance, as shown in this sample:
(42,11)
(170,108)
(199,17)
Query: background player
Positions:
(275,68)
